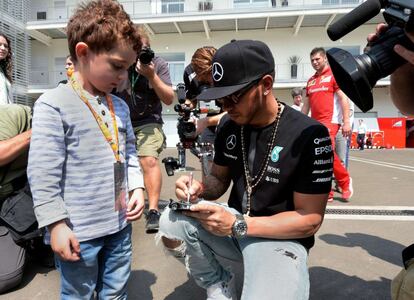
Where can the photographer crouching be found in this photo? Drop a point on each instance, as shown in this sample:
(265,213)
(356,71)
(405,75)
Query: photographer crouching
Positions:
(19,234)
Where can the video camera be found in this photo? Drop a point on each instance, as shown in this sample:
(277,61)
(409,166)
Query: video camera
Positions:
(186,129)
(356,76)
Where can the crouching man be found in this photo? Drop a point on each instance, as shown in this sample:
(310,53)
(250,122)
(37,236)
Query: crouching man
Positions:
(279,162)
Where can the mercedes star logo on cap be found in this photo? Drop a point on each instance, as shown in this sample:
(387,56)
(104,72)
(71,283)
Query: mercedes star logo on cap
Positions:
(231,142)
(218,71)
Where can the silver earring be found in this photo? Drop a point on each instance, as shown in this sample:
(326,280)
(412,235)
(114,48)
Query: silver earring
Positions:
(265,93)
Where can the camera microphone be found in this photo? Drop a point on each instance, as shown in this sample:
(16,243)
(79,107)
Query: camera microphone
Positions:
(355,18)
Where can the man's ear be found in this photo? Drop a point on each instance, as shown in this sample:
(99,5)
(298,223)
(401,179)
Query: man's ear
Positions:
(81,50)
(267,84)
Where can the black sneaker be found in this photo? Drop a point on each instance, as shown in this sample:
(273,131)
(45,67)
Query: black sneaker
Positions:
(153,220)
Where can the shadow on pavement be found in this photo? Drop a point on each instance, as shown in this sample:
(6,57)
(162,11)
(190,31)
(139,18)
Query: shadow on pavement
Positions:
(330,284)
(187,291)
(139,286)
(384,249)
(31,270)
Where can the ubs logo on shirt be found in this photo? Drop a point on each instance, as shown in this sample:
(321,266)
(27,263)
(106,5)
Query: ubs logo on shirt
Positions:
(274,156)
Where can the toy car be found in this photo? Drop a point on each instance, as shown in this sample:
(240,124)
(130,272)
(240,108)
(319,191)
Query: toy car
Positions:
(179,205)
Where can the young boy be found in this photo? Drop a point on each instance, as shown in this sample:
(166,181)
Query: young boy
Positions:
(82,157)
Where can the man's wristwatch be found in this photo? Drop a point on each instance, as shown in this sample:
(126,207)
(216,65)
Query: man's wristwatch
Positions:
(239,227)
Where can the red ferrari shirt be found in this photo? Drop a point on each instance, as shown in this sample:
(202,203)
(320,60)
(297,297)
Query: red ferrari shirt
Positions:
(324,103)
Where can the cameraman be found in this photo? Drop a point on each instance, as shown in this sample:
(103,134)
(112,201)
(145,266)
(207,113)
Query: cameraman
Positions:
(402,79)
(197,77)
(149,86)
(402,82)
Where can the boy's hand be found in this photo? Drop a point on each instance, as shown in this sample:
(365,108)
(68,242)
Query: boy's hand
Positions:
(135,205)
(63,242)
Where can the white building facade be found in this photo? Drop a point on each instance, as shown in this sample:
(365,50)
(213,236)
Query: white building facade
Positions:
(178,27)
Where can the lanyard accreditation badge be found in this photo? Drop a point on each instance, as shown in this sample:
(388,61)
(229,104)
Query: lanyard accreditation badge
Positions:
(119,167)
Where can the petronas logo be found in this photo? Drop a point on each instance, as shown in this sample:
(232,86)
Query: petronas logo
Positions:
(274,156)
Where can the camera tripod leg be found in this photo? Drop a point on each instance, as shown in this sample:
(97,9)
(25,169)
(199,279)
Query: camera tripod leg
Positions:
(181,157)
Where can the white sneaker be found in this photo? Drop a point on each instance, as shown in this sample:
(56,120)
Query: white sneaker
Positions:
(223,290)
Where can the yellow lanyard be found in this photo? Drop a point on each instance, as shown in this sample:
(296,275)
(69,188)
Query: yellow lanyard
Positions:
(104,128)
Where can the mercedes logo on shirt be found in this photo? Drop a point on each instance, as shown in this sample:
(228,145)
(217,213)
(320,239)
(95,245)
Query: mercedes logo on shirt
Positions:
(231,142)
(218,71)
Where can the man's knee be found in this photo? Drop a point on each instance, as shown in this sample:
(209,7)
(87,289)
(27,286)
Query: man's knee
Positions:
(148,162)
(174,247)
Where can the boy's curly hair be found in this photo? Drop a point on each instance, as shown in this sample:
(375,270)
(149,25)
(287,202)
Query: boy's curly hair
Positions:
(202,60)
(101,24)
(6,64)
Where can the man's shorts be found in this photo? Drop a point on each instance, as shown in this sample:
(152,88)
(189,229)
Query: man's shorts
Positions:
(150,140)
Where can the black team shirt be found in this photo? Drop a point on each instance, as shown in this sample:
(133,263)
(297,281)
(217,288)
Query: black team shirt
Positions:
(301,161)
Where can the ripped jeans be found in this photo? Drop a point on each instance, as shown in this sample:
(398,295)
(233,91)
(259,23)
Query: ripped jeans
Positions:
(273,269)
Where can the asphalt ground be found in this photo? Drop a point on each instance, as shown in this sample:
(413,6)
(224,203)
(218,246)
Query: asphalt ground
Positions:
(356,254)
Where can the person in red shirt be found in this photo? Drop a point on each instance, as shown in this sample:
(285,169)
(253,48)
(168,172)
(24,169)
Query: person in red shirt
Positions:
(329,105)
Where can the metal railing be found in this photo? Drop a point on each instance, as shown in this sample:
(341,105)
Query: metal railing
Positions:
(148,8)
(44,79)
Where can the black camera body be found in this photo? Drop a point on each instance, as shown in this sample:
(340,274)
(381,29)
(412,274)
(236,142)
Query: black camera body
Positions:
(146,55)
(186,130)
(356,76)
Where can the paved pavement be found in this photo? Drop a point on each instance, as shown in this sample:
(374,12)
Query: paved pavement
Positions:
(356,255)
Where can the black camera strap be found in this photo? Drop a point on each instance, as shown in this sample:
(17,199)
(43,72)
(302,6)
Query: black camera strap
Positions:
(134,78)
(134,81)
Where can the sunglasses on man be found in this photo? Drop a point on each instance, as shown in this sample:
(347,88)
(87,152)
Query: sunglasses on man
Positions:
(235,98)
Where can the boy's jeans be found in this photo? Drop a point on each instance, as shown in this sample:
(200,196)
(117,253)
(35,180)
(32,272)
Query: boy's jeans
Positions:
(273,269)
(105,266)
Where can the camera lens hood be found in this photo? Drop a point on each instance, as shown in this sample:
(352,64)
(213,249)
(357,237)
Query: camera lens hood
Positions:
(350,78)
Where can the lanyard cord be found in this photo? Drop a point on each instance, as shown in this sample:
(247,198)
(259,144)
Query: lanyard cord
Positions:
(133,83)
(104,128)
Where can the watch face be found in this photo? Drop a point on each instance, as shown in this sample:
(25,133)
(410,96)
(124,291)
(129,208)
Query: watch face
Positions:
(241,228)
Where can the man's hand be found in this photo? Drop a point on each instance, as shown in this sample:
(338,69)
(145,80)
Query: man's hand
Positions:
(400,50)
(214,218)
(148,71)
(201,124)
(404,52)
(136,205)
(182,188)
(402,83)
(346,130)
(63,242)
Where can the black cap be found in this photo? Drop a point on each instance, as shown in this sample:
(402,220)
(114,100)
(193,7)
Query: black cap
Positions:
(237,64)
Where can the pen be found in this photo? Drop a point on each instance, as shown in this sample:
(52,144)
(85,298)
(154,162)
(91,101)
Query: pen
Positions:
(189,187)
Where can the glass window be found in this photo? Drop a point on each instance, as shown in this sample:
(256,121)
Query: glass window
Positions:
(172,6)
(246,3)
(336,2)
(176,64)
